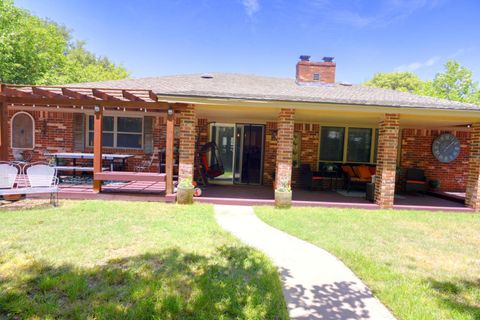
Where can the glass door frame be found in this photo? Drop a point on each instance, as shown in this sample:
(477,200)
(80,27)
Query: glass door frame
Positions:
(212,138)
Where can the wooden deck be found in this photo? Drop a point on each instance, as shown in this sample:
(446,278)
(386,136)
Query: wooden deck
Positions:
(252,195)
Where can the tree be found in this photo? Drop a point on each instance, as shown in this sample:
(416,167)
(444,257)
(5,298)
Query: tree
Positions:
(454,83)
(29,46)
(401,81)
(37,51)
(81,65)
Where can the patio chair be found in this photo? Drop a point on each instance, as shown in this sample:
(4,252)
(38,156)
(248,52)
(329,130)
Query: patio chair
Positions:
(145,164)
(309,179)
(415,181)
(8,175)
(356,176)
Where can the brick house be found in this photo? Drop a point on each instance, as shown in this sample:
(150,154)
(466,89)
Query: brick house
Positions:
(266,128)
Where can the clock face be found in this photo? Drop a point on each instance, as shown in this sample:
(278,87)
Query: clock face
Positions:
(446,147)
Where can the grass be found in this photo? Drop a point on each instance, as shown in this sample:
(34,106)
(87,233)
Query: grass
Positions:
(130,260)
(422,265)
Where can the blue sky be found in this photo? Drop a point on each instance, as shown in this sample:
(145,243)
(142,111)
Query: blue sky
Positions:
(265,37)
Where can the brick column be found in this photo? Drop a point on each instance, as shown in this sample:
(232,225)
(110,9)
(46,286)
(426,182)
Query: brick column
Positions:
(472,197)
(187,143)
(285,126)
(389,131)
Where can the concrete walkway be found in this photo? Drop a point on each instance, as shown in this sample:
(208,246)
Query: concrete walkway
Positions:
(316,285)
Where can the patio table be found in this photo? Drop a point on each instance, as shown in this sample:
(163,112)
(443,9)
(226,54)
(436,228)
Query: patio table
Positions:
(89,156)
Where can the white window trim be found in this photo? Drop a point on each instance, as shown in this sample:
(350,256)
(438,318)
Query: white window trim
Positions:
(115,131)
(33,132)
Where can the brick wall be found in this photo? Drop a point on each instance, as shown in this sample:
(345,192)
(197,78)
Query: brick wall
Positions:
(309,143)
(270,153)
(472,198)
(54,133)
(306,69)
(416,152)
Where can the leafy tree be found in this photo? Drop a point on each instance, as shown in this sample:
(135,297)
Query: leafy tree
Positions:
(401,81)
(81,65)
(29,46)
(454,83)
(37,51)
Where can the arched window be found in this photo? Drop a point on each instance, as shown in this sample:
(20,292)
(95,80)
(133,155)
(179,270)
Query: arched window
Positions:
(23,131)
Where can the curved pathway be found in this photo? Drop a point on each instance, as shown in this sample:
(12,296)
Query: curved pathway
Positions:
(316,285)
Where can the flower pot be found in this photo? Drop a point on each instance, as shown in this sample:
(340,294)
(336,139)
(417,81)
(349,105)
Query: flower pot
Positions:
(283,200)
(185,195)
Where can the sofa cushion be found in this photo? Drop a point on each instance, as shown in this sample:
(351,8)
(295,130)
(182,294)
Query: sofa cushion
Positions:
(348,171)
(362,172)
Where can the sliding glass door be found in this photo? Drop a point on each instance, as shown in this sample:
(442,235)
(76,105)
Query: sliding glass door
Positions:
(241,152)
(248,166)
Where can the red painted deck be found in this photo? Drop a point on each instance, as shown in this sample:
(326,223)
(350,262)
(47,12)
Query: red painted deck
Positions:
(252,195)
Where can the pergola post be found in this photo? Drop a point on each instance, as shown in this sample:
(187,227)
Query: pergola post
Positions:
(97,147)
(3,127)
(389,131)
(169,152)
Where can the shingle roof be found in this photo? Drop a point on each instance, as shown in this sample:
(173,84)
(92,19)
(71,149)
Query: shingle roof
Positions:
(242,86)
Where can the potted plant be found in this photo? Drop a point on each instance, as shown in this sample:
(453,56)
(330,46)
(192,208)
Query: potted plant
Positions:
(185,191)
(283,194)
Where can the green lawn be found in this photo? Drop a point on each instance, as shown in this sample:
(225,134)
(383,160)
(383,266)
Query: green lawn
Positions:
(422,265)
(130,260)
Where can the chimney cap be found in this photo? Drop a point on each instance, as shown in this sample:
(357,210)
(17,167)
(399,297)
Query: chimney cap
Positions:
(304,57)
(328,59)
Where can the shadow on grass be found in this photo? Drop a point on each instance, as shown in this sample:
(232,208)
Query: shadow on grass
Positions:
(462,296)
(232,282)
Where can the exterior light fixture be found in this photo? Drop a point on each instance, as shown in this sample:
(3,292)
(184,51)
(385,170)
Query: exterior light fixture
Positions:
(170,111)
(96,109)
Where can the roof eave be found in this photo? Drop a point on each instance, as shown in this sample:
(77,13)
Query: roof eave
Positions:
(321,105)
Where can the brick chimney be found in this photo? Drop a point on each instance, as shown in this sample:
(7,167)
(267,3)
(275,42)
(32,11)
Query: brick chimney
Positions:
(315,72)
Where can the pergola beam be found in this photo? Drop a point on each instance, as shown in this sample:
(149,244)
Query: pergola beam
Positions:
(47,93)
(104,96)
(152,95)
(14,92)
(75,94)
(130,96)
(87,102)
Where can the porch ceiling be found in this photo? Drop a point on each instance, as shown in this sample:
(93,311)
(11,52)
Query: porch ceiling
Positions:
(238,114)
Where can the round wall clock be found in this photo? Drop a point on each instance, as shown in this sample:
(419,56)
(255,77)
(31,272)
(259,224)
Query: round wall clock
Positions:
(446,147)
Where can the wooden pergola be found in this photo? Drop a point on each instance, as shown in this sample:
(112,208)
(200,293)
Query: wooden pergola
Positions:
(58,98)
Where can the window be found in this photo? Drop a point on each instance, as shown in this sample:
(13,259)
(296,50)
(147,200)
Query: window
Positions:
(375,150)
(297,140)
(316,76)
(23,131)
(348,144)
(359,144)
(331,143)
(119,132)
